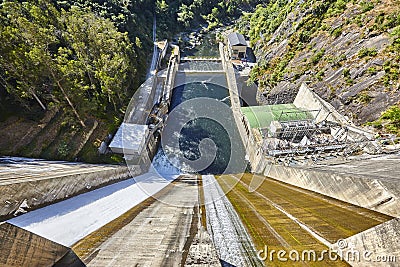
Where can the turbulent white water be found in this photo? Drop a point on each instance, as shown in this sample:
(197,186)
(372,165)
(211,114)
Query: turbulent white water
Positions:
(163,165)
(233,244)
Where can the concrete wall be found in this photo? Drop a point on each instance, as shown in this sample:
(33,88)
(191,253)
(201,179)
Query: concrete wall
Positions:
(173,65)
(309,100)
(378,246)
(20,248)
(253,151)
(377,194)
(42,192)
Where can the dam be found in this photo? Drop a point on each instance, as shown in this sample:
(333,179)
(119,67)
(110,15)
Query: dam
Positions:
(205,192)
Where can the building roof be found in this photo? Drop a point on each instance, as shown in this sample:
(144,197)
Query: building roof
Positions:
(129,139)
(236,38)
(262,116)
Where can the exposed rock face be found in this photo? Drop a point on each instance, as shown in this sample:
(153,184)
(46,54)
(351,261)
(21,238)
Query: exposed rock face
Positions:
(348,57)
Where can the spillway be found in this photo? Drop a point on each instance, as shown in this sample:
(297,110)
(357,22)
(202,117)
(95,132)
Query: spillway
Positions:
(200,124)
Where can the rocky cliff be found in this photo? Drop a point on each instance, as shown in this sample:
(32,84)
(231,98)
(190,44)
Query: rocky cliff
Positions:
(348,52)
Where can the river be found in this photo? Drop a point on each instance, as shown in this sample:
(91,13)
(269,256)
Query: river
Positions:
(199,111)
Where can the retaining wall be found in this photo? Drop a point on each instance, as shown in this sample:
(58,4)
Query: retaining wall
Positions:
(378,246)
(377,194)
(37,193)
(20,248)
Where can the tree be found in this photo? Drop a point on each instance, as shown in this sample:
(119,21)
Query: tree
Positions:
(73,56)
(185,15)
(20,38)
(161,6)
(102,57)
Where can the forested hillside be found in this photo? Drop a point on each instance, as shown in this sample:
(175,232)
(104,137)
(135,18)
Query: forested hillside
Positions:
(68,68)
(347,50)
(183,14)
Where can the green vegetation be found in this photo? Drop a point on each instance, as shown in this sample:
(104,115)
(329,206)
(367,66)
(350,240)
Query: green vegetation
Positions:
(70,58)
(346,73)
(87,57)
(392,116)
(367,52)
(337,8)
(317,56)
(336,62)
(347,77)
(366,6)
(364,98)
(175,16)
(266,20)
(303,24)
(372,70)
(337,32)
(392,73)
(84,60)
(81,58)
(389,120)
(320,75)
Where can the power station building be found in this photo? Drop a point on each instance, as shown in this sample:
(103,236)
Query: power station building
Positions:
(237,45)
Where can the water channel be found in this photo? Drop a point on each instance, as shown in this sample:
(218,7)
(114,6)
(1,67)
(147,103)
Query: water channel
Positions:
(200,111)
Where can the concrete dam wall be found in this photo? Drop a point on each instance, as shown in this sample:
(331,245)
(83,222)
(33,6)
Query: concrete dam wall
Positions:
(371,183)
(21,189)
(378,246)
(375,193)
(19,248)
